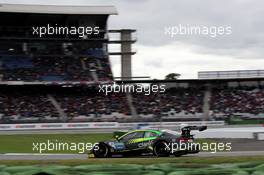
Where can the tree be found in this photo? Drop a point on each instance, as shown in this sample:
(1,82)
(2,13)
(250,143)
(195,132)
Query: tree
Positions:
(172,76)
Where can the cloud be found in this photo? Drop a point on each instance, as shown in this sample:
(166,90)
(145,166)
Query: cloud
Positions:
(159,54)
(179,58)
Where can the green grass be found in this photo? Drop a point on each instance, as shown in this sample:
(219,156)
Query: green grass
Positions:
(135,166)
(238,121)
(141,161)
(246,122)
(24,143)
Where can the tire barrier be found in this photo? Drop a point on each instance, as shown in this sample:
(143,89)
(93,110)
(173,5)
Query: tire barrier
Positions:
(133,169)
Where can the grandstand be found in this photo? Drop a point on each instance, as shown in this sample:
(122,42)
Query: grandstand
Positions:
(72,47)
(196,100)
(35,73)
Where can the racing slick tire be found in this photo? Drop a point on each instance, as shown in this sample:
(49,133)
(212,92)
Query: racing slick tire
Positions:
(102,151)
(160,149)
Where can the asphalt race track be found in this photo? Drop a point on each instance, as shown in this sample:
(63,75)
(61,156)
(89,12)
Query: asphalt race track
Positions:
(11,156)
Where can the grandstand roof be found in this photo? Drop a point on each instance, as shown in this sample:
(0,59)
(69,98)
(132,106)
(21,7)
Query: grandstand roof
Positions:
(194,80)
(58,9)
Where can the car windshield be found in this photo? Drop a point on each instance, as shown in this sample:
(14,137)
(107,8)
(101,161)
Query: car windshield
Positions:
(133,135)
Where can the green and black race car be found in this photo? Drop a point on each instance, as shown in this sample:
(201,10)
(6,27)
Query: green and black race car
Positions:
(161,143)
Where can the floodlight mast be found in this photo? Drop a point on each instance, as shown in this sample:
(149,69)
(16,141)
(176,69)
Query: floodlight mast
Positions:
(126,52)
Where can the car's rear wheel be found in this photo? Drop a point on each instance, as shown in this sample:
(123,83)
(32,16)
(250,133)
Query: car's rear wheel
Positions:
(160,149)
(101,151)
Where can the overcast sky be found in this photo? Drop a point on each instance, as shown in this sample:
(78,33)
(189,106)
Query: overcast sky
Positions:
(158,54)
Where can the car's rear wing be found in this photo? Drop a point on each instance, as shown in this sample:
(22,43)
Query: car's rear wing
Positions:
(186,131)
(199,128)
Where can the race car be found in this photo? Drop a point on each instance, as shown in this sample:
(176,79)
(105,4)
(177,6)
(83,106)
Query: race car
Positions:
(160,143)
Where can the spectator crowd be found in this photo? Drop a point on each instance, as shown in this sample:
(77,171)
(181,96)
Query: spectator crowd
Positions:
(40,104)
(237,100)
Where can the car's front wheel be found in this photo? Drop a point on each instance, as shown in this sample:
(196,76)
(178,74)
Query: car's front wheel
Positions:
(160,149)
(101,151)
